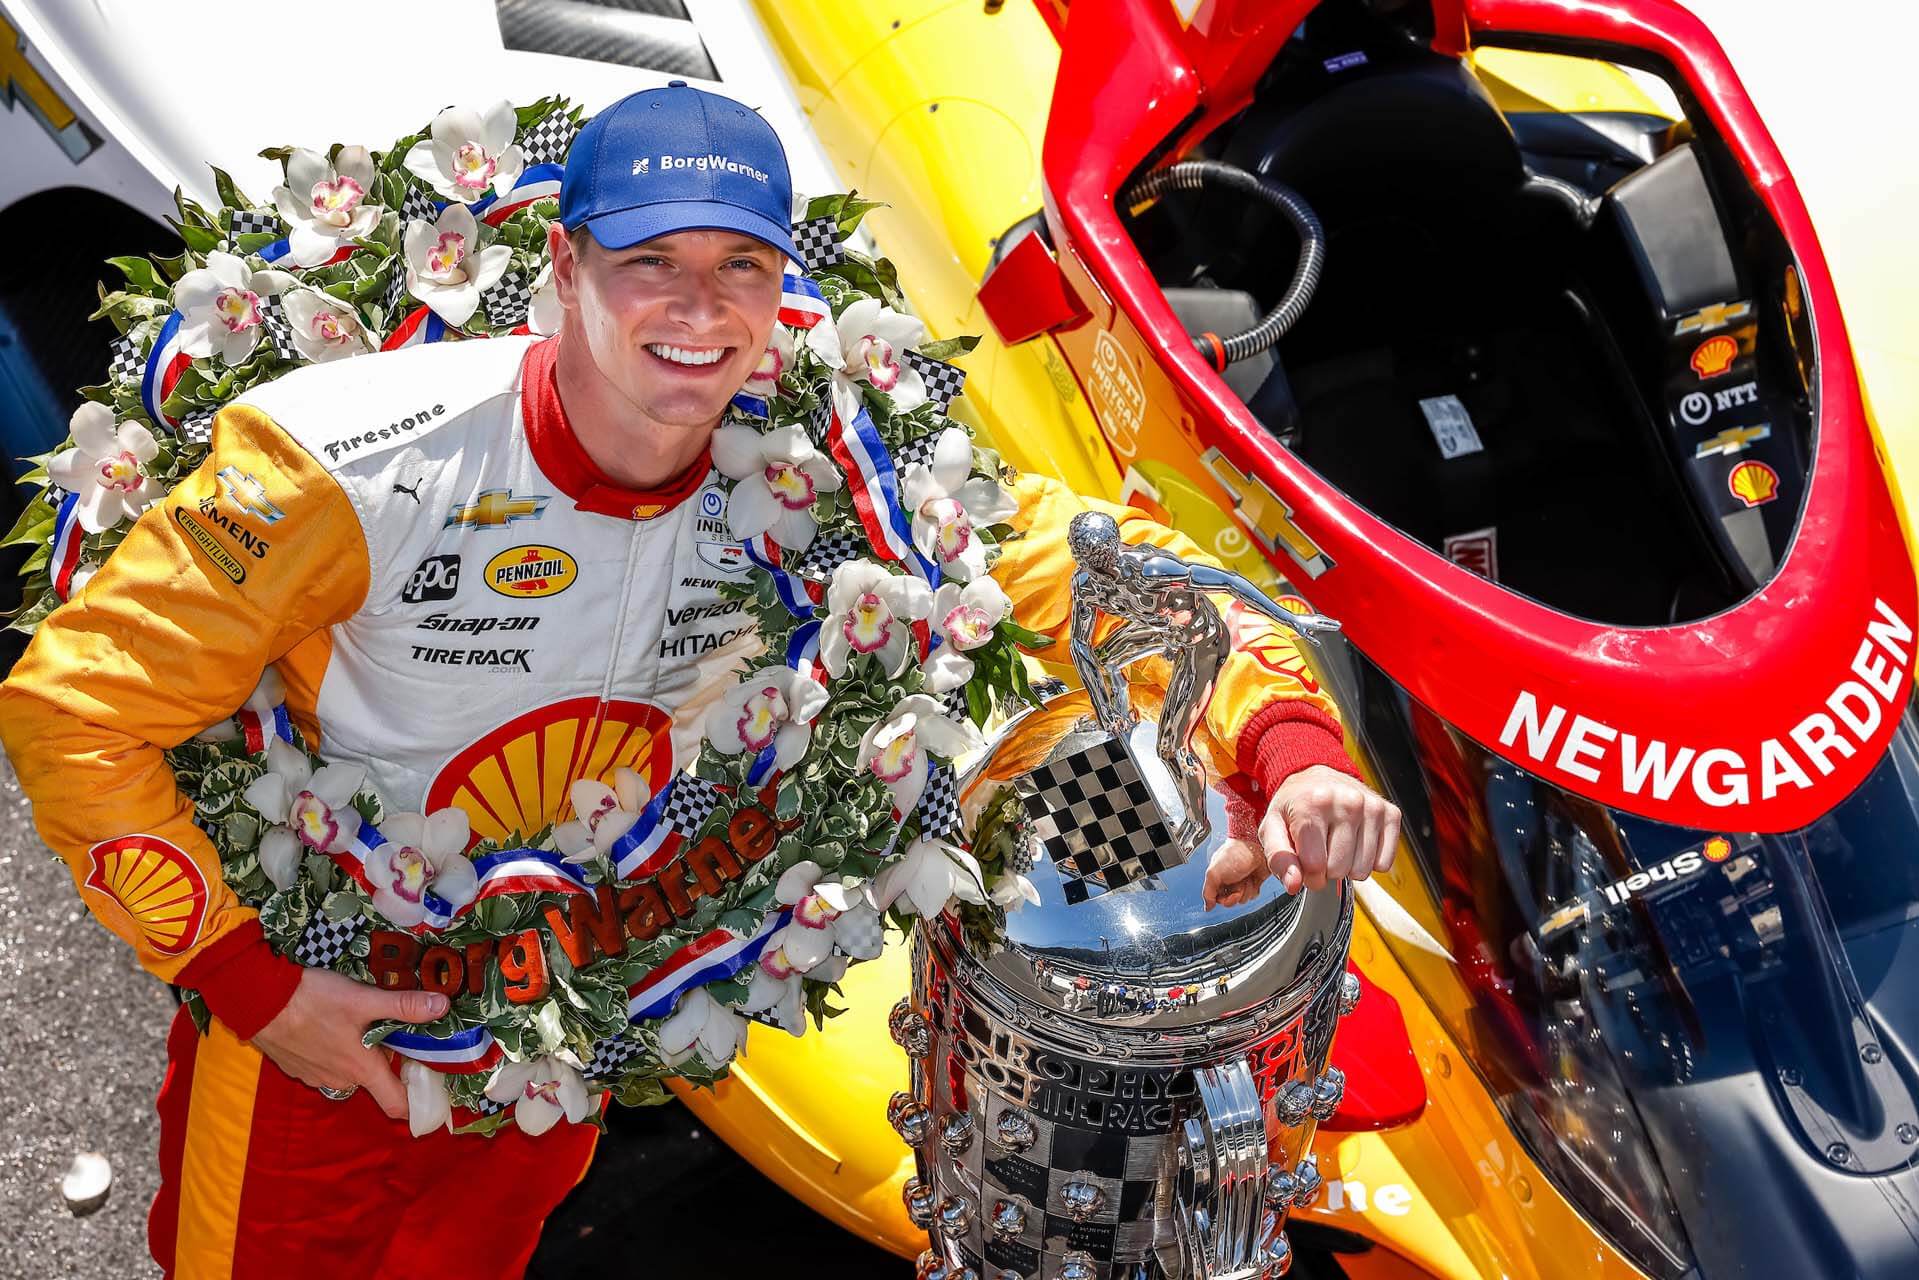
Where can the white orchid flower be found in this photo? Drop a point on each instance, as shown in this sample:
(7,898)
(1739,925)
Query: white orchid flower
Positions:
(445,266)
(827,912)
(324,327)
(775,361)
(947,502)
(871,610)
(468,153)
(107,468)
(772,707)
(1010,889)
(604,814)
(868,343)
(780,473)
(964,618)
(783,997)
(702,1025)
(895,748)
(421,852)
(325,204)
(427,1106)
(309,809)
(541,1092)
(926,877)
(221,307)
(269,693)
(544,313)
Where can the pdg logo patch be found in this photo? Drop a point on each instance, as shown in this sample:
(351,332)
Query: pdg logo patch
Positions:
(437,578)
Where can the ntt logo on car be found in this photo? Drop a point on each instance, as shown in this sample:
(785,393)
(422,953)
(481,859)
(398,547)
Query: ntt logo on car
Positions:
(1719,776)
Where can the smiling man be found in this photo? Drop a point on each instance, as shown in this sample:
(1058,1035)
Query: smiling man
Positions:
(557,490)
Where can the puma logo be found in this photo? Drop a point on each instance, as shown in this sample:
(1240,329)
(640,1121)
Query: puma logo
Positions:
(413,493)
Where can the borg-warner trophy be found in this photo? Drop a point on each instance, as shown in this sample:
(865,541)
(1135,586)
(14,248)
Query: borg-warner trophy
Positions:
(1125,1085)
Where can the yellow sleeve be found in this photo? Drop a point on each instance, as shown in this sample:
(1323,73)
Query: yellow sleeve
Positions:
(1265,713)
(251,553)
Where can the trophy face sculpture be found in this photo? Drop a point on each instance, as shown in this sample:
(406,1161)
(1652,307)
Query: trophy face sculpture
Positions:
(1125,1084)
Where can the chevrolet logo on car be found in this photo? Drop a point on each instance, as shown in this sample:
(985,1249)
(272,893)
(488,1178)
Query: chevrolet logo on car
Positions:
(497,507)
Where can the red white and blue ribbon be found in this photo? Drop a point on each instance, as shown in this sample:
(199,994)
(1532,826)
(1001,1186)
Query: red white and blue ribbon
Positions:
(752,406)
(165,363)
(762,767)
(650,843)
(712,957)
(421,327)
(462,1053)
(275,254)
(67,534)
(536,182)
(802,305)
(791,588)
(875,486)
(803,647)
(507,871)
(257,729)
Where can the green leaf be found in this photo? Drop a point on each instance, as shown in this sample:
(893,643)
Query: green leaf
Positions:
(1024,637)
(139,273)
(949,348)
(230,195)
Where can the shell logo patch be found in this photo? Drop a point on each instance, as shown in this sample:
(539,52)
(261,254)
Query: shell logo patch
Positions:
(1715,355)
(1717,849)
(155,883)
(514,781)
(531,571)
(1753,483)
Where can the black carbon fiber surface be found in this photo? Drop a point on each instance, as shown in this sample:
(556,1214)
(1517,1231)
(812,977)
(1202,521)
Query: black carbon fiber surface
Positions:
(654,35)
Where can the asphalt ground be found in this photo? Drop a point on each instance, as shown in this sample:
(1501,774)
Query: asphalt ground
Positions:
(82,1050)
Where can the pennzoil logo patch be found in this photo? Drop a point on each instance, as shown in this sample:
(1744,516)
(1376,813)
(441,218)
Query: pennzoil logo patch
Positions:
(155,883)
(209,545)
(531,571)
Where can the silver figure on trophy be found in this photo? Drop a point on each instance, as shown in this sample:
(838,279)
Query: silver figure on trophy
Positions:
(1125,1085)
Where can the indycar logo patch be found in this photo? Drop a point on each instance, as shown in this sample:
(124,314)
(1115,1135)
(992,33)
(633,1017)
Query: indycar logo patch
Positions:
(531,571)
(156,884)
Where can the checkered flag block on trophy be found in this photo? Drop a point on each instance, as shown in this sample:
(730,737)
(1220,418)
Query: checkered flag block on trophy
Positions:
(547,141)
(943,380)
(508,301)
(818,240)
(273,316)
(325,940)
(1098,821)
(123,361)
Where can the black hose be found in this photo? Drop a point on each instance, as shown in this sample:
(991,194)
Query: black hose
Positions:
(1191,175)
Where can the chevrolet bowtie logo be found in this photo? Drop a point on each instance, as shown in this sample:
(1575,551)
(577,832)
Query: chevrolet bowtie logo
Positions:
(1732,440)
(1716,316)
(496,507)
(1266,515)
(249,494)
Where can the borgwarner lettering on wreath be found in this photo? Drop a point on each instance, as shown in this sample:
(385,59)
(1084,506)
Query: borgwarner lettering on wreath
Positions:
(628,943)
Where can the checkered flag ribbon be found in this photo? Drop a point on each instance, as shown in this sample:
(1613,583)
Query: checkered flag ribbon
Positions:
(939,804)
(818,240)
(508,301)
(943,380)
(397,297)
(123,361)
(826,553)
(273,316)
(197,427)
(858,934)
(1098,820)
(416,204)
(689,803)
(954,702)
(609,1054)
(325,940)
(251,222)
(918,449)
(547,141)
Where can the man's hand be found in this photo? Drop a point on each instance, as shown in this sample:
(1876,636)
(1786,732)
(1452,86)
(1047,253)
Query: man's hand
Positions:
(1320,826)
(316,1038)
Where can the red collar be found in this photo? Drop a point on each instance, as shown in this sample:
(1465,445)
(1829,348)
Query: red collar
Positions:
(560,456)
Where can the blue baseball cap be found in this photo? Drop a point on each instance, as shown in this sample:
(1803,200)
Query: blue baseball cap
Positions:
(678,159)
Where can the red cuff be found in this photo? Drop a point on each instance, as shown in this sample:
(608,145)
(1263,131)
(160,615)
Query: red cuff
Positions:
(1287,735)
(243,982)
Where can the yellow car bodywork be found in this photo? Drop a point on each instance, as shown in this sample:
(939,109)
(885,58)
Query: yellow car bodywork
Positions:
(939,108)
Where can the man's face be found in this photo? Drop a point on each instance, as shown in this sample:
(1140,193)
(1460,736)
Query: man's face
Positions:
(676,325)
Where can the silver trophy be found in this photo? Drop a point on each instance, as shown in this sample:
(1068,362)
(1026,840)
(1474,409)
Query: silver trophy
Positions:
(1125,1085)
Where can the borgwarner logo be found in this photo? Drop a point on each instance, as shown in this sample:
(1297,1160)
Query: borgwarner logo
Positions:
(702,163)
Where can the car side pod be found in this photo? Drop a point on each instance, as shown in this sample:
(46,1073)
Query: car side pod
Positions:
(1384,1087)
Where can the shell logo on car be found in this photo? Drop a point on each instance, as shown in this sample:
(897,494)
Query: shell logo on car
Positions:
(531,571)
(1753,483)
(156,884)
(513,781)
(1715,355)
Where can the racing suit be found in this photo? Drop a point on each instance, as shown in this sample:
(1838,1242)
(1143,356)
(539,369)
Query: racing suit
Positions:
(458,599)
